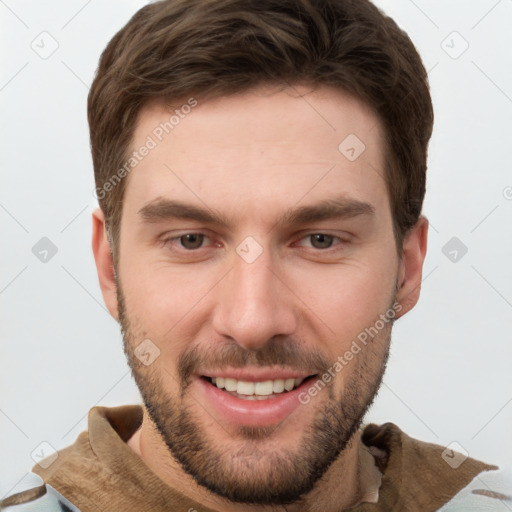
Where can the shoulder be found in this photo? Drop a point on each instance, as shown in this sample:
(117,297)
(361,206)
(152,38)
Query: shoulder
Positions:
(37,497)
(490,491)
(416,472)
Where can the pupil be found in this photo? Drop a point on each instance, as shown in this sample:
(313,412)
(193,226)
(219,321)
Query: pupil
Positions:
(321,241)
(192,241)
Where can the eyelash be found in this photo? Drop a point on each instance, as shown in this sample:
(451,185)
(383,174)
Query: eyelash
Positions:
(168,240)
(341,241)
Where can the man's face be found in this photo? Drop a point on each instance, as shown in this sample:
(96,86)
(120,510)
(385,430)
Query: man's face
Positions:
(291,259)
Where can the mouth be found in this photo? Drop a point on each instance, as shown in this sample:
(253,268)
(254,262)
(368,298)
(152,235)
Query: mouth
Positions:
(257,390)
(253,396)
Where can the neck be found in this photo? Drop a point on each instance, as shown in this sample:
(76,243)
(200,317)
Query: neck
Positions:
(350,480)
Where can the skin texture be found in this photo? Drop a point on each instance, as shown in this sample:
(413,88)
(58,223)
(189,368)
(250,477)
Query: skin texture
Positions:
(299,305)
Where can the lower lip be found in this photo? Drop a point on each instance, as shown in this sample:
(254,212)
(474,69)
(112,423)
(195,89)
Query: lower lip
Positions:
(253,413)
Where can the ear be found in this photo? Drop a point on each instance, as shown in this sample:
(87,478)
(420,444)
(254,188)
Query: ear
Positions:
(104,263)
(411,266)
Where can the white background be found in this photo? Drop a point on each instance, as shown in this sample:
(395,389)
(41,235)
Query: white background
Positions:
(450,372)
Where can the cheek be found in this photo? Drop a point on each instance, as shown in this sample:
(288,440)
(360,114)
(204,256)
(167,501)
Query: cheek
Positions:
(165,303)
(346,298)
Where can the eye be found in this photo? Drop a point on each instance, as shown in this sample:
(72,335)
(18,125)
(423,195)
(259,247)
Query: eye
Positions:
(188,241)
(192,240)
(319,240)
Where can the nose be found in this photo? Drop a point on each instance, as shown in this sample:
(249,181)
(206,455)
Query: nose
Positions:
(254,304)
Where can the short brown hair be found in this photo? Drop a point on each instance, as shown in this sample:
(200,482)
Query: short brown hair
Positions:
(205,48)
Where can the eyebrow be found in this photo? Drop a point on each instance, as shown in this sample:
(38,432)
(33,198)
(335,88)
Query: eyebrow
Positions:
(338,208)
(166,209)
(328,209)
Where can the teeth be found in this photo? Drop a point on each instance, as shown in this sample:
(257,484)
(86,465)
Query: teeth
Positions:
(256,390)
(245,388)
(230,384)
(278,386)
(288,384)
(263,388)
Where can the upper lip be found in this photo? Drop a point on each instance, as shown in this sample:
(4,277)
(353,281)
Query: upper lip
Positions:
(256,374)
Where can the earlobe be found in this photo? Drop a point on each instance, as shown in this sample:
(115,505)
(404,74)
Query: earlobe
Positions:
(104,263)
(411,266)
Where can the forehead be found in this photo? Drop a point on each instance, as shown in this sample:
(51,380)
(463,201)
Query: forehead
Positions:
(262,149)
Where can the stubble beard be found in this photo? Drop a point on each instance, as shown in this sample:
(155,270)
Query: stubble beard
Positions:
(251,472)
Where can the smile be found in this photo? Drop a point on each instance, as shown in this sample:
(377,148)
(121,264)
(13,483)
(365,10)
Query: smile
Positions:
(251,397)
(260,390)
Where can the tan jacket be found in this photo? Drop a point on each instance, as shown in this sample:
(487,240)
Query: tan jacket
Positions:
(99,472)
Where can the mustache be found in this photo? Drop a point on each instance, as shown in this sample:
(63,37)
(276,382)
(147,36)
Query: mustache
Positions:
(280,351)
